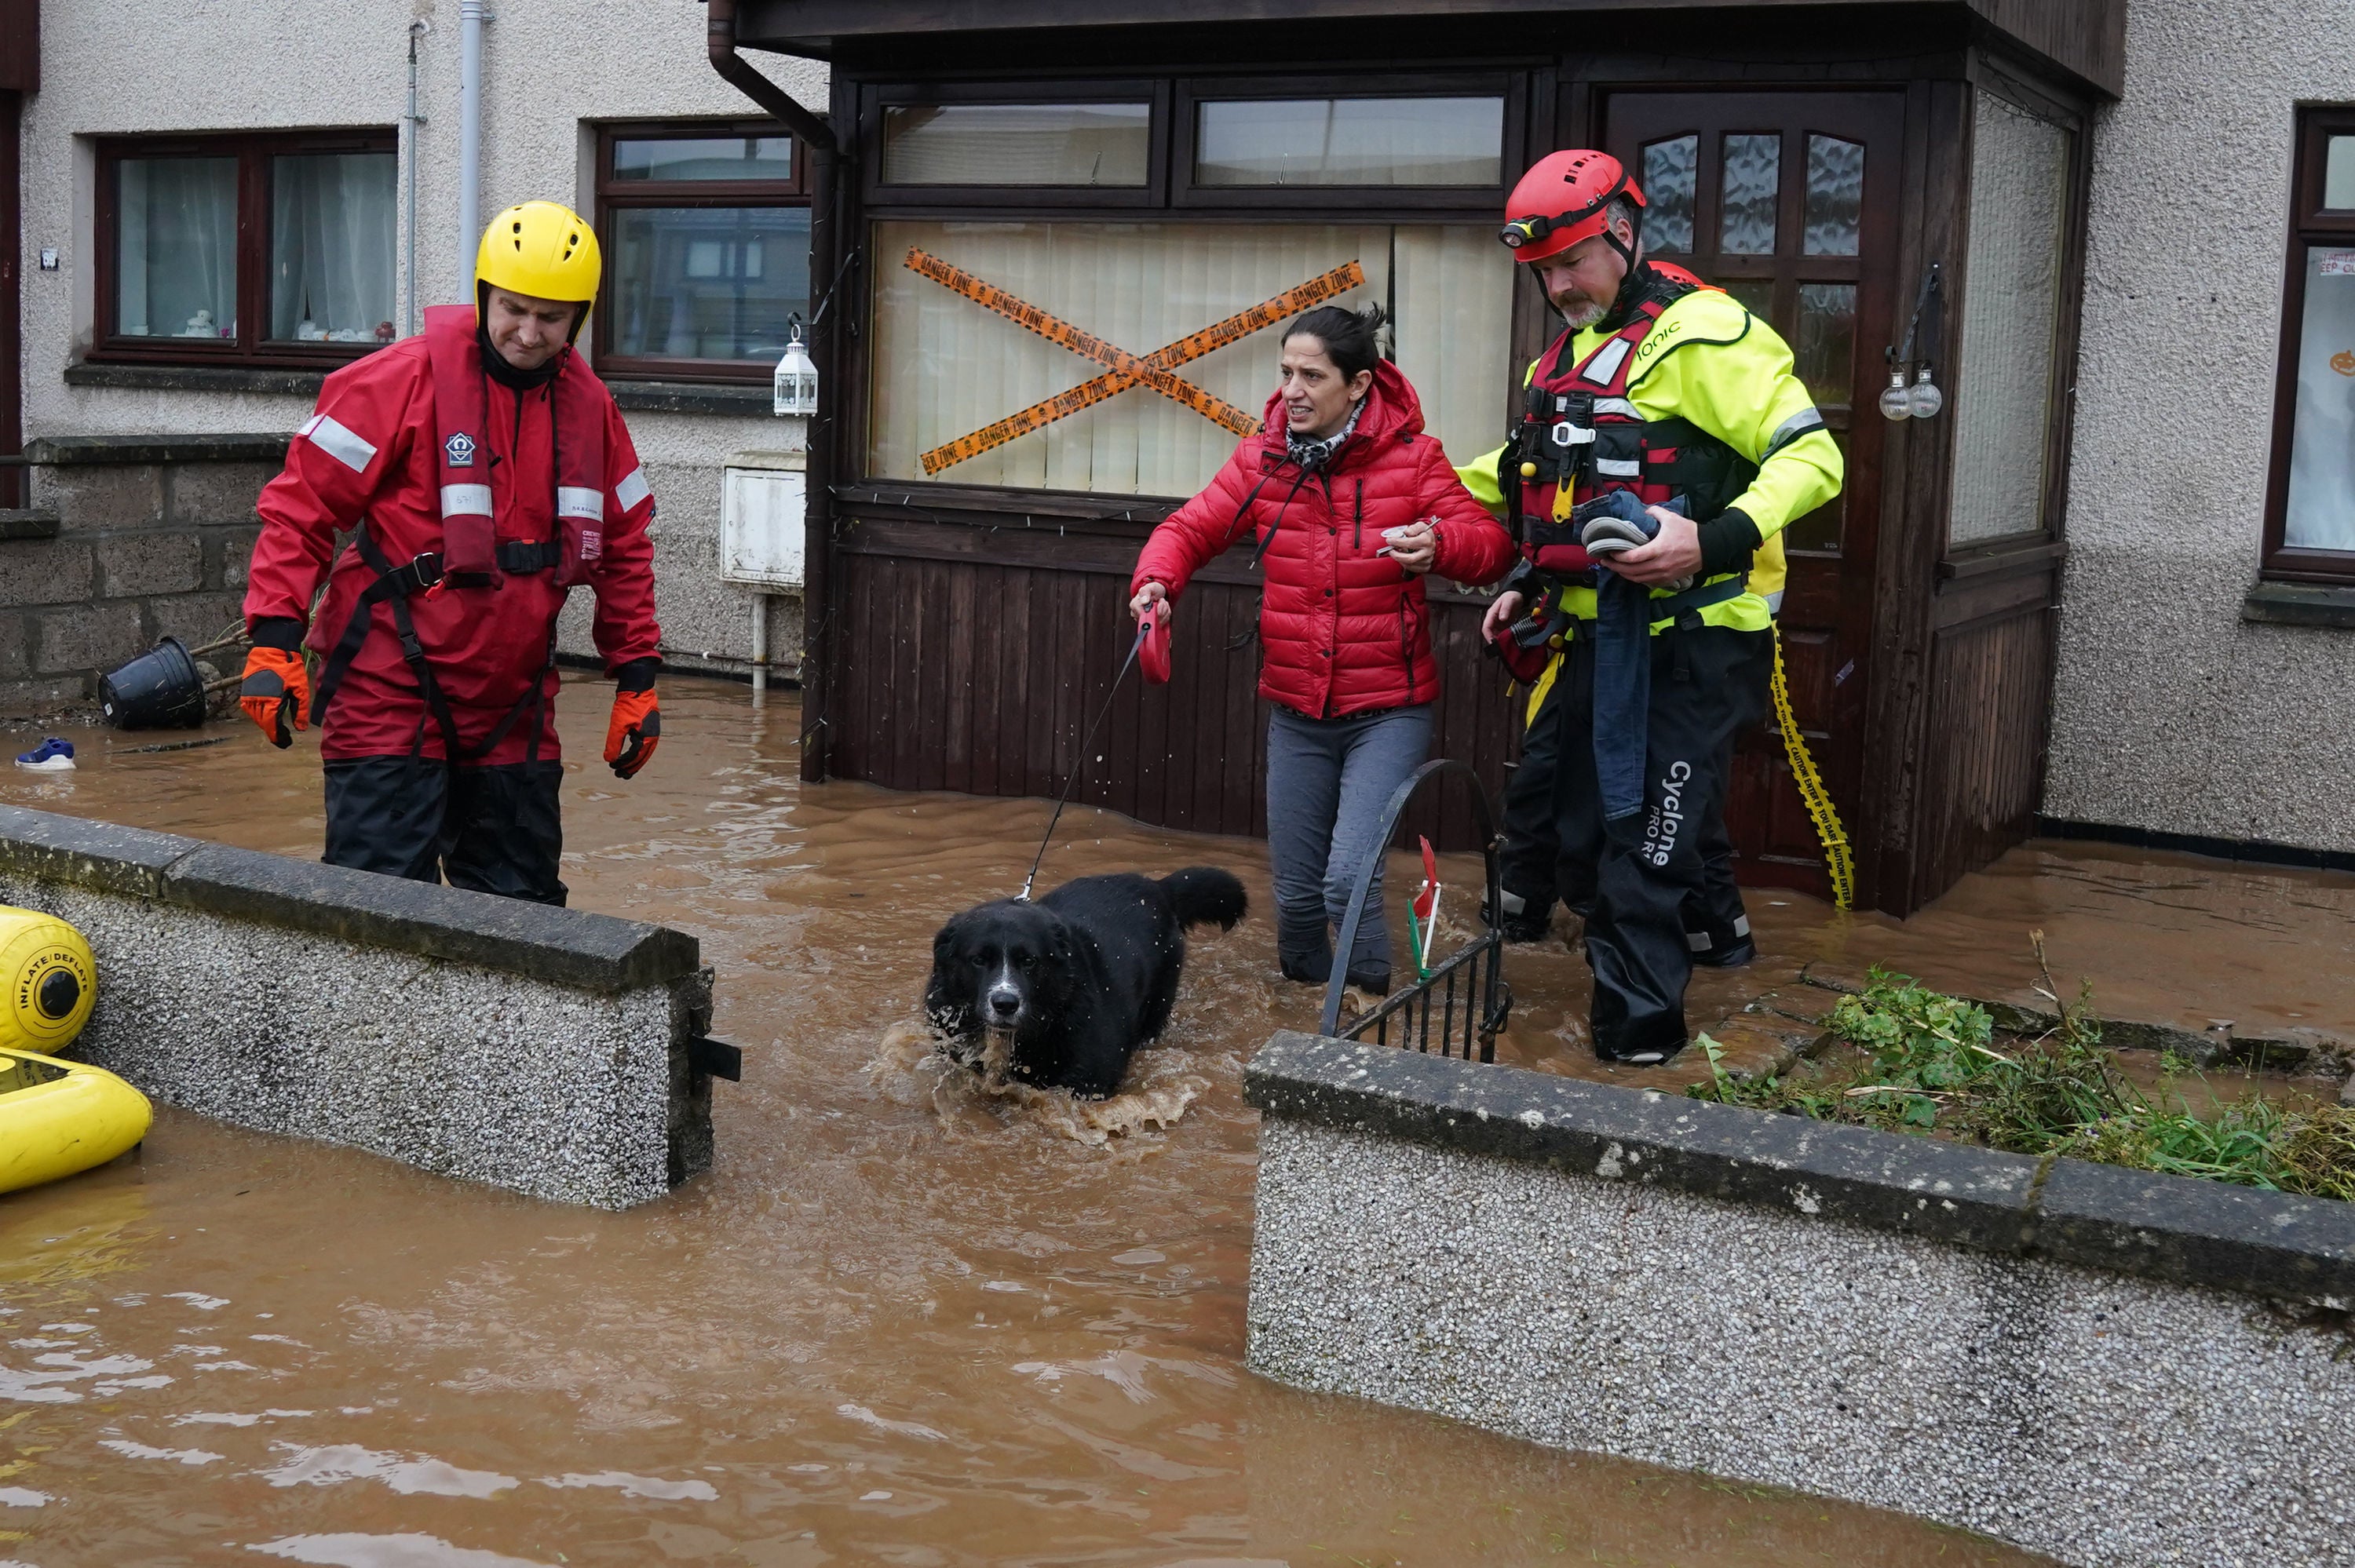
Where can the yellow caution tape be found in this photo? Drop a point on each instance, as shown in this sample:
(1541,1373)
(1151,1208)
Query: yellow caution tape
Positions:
(1837,859)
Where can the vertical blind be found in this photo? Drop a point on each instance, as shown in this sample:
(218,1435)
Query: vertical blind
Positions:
(944,366)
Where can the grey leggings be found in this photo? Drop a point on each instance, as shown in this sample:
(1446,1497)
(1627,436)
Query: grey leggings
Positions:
(1327,781)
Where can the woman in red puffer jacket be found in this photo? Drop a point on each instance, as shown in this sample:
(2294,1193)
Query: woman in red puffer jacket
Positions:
(1348,502)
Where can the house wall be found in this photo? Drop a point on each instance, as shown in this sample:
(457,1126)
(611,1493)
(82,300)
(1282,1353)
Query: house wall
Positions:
(2172,713)
(551,70)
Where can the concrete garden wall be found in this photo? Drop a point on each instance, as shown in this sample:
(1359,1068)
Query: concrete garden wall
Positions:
(545,1050)
(2108,1366)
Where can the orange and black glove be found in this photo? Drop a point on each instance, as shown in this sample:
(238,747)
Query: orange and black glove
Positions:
(636,727)
(276,695)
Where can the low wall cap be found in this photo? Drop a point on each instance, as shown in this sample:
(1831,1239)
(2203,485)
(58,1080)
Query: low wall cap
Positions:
(2177,1228)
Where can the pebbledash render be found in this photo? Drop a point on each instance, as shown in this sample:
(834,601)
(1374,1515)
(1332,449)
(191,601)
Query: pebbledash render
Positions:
(149,450)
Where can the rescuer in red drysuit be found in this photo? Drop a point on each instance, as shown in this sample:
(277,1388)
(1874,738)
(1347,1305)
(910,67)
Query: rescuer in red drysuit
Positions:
(487,472)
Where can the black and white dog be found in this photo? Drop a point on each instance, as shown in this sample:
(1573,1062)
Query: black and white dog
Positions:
(1080,979)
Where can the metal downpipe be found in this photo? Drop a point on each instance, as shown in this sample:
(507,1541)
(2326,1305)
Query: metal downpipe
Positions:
(828,188)
(472,13)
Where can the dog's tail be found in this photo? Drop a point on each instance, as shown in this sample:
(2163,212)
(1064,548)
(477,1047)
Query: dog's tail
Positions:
(1203,894)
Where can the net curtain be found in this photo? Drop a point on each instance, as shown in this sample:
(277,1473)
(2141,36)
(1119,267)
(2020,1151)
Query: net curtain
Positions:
(332,246)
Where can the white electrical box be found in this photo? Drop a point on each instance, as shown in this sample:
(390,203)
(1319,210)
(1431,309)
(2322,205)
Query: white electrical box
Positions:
(762,514)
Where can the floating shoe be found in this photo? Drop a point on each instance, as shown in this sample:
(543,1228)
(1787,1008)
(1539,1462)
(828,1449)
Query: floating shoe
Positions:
(52,756)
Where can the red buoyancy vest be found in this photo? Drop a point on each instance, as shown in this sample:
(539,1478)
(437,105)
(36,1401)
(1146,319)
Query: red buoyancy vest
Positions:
(469,539)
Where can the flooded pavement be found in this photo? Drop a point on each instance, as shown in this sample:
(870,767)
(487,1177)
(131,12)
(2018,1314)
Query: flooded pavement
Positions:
(902,1322)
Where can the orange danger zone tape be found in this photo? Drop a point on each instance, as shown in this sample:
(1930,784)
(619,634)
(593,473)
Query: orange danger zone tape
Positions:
(1127,370)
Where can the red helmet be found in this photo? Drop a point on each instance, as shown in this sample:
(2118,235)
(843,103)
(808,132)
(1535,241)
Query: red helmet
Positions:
(1562,199)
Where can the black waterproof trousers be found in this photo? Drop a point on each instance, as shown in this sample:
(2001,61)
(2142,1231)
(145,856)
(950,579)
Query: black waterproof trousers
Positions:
(1649,868)
(488,829)
(1534,870)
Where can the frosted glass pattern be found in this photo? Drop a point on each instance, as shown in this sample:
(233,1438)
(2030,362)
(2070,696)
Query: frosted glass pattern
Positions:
(944,366)
(2000,397)
(1018,144)
(1754,180)
(1670,174)
(2322,514)
(1835,195)
(1826,348)
(1352,141)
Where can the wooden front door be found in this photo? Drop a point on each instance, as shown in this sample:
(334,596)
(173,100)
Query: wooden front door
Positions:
(1788,201)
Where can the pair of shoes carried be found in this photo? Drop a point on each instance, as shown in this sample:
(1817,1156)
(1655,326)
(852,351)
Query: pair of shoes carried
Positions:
(52,756)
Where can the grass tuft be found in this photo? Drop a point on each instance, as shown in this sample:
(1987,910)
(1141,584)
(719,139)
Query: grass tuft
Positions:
(1929,1063)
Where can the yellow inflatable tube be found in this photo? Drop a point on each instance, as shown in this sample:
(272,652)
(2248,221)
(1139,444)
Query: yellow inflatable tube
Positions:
(61,1117)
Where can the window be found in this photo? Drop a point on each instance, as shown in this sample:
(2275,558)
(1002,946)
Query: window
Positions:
(987,360)
(2311,503)
(706,232)
(249,250)
(2001,399)
(1091,145)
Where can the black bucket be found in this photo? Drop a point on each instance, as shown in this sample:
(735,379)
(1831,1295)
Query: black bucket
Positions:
(161,689)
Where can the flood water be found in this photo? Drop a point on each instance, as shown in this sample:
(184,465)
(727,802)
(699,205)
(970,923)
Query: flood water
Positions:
(902,1322)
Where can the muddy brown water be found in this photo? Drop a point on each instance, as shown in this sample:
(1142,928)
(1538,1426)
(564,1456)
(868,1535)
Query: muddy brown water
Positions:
(902,1322)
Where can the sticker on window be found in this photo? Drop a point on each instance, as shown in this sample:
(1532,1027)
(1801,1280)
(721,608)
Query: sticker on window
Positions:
(2335,263)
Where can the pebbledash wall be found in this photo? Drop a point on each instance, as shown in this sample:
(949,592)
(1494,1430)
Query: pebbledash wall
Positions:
(552,72)
(551,1052)
(2122,1370)
(2173,710)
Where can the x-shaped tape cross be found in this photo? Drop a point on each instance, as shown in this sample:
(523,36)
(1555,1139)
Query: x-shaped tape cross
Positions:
(1124,370)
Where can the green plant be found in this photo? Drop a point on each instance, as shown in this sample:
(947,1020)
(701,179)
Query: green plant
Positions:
(1929,1063)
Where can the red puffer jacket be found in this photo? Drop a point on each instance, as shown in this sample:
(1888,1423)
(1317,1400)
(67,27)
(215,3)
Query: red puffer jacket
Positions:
(1344,630)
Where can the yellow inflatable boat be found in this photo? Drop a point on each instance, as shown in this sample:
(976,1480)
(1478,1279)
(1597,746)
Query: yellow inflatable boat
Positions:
(61,1117)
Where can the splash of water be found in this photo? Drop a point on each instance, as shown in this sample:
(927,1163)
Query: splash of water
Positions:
(978,1096)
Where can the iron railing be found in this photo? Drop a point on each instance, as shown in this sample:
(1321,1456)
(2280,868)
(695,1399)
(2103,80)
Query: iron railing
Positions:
(1467,987)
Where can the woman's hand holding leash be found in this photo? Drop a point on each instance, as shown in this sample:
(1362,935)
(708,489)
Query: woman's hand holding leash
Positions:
(1152,598)
(1415,546)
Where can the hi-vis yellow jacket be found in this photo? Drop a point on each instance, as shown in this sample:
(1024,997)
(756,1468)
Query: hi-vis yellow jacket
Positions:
(1710,361)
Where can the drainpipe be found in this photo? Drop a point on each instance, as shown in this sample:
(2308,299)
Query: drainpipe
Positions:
(415,123)
(472,15)
(829,188)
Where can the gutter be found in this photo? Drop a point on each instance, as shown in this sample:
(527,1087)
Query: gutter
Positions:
(829,190)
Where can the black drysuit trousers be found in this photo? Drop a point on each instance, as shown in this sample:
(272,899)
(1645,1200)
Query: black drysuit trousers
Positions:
(1534,870)
(1708,681)
(488,829)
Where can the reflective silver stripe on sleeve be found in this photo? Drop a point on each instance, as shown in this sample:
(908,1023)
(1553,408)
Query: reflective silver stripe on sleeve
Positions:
(1619,468)
(1805,422)
(466,501)
(633,489)
(1773,602)
(1617,406)
(1605,362)
(1741,924)
(338,441)
(579,500)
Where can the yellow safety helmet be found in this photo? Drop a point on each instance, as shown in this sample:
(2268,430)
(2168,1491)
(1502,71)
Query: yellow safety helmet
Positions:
(543,248)
(51,979)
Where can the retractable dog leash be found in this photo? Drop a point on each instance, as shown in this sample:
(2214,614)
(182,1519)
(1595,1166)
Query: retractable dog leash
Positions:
(1153,642)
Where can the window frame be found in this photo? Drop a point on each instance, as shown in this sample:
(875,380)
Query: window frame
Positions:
(613,196)
(2311,223)
(254,151)
(1528,102)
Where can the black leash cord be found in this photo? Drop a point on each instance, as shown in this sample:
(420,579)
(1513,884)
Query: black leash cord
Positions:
(1081,765)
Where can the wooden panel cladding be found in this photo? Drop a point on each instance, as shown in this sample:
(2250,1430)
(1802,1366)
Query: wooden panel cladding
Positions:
(20,49)
(1983,768)
(966,670)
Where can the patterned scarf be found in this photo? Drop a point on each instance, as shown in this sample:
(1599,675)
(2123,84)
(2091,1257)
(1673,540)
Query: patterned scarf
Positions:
(1314,453)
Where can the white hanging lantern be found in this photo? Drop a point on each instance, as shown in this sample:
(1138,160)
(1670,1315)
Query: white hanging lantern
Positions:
(795,386)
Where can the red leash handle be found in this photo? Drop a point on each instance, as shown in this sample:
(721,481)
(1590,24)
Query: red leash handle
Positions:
(1152,650)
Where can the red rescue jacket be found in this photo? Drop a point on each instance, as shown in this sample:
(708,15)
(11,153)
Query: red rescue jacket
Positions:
(371,455)
(1343,630)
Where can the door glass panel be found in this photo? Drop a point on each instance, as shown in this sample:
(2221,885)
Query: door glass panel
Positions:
(1824,346)
(1753,179)
(1667,180)
(2338,174)
(176,265)
(1352,141)
(1756,294)
(1017,144)
(1819,531)
(2001,395)
(1835,195)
